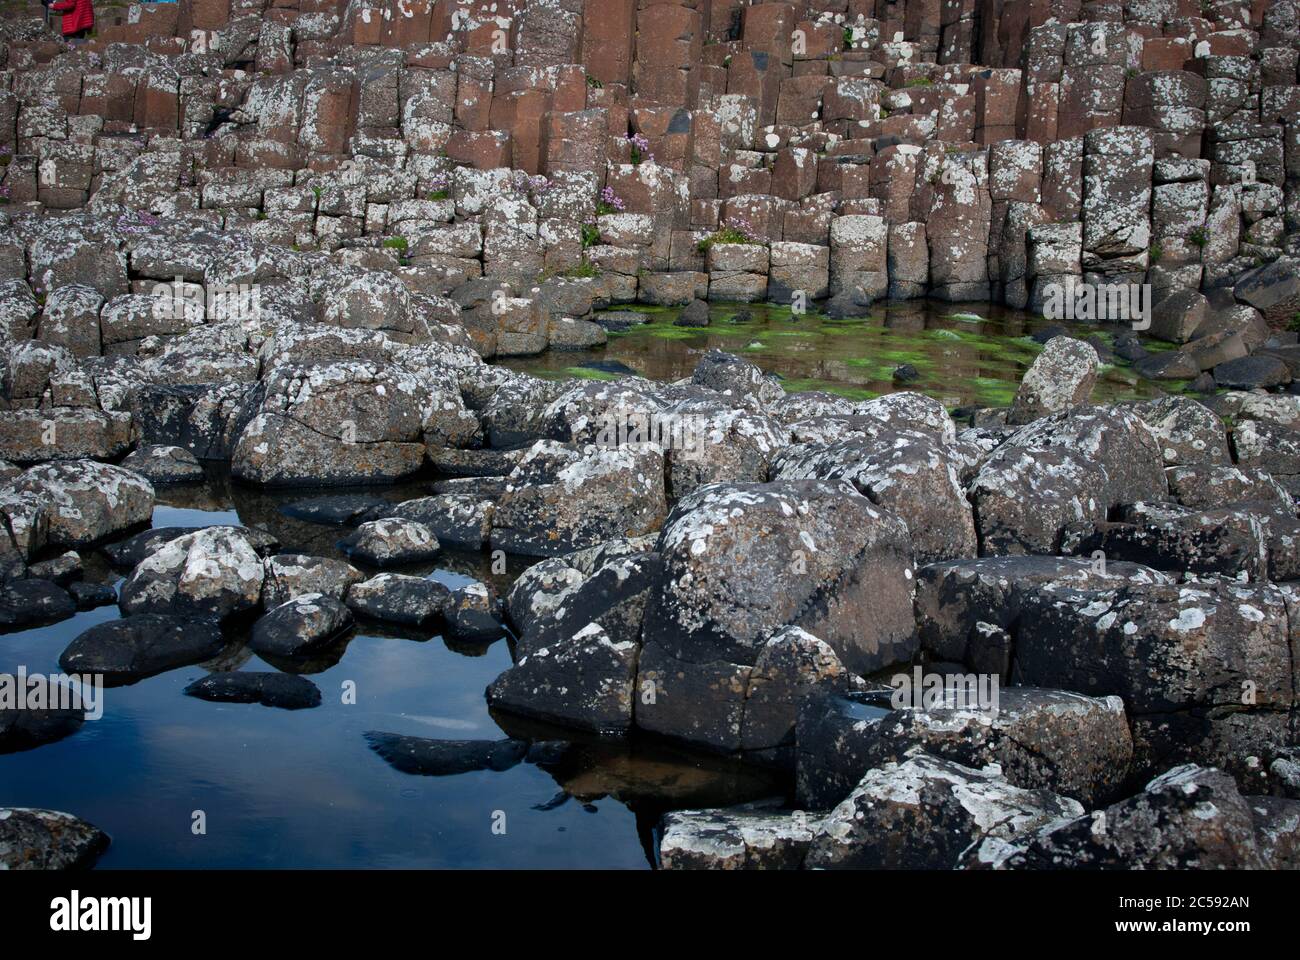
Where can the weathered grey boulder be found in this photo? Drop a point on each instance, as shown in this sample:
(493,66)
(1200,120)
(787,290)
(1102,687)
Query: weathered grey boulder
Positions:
(458,520)
(396,598)
(1060,379)
(164,464)
(559,499)
(214,572)
(753,837)
(739,378)
(290,575)
(1188,432)
(300,626)
(338,422)
(1061,469)
(925,813)
(1190,818)
(913,475)
(32,839)
(391,541)
(86,502)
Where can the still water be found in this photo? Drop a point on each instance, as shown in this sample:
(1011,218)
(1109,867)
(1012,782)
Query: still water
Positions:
(303,788)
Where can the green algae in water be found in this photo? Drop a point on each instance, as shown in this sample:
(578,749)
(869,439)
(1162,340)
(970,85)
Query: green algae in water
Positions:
(961,361)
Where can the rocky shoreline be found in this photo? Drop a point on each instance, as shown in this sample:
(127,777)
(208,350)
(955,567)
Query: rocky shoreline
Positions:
(716,562)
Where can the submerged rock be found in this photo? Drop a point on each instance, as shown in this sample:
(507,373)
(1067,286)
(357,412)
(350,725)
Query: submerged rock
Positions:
(446,758)
(284,690)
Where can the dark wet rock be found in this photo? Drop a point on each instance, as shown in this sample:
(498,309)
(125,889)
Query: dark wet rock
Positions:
(87,502)
(141,646)
(32,839)
(906,373)
(694,314)
(549,606)
(129,552)
(1250,373)
(473,463)
(1228,540)
(738,378)
(63,569)
(1077,746)
(926,813)
(514,415)
(1168,365)
(751,837)
(290,575)
(283,690)
(1059,470)
(618,321)
(445,758)
(29,602)
(967,610)
(300,626)
(1050,332)
(1187,432)
(742,560)
(162,464)
(1060,379)
(584,681)
(1190,818)
(395,598)
(560,499)
(1277,831)
(23,729)
(391,541)
(459,521)
(913,475)
(344,509)
(212,572)
(88,596)
(472,614)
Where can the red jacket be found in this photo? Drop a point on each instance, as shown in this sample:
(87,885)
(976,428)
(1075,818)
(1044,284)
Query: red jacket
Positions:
(77,15)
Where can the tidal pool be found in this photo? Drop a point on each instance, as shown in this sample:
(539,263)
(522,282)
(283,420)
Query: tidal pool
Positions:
(964,353)
(304,788)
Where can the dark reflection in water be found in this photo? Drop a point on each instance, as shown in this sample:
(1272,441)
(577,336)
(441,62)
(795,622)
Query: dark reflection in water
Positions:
(962,353)
(304,788)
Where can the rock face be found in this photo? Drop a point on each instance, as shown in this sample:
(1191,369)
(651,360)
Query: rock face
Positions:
(214,572)
(33,839)
(283,690)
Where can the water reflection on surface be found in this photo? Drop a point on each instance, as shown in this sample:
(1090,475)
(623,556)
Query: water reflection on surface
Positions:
(304,788)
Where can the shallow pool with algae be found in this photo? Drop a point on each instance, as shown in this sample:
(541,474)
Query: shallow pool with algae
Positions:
(963,354)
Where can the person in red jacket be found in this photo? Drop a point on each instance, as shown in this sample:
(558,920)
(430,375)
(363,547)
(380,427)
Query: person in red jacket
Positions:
(78,17)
